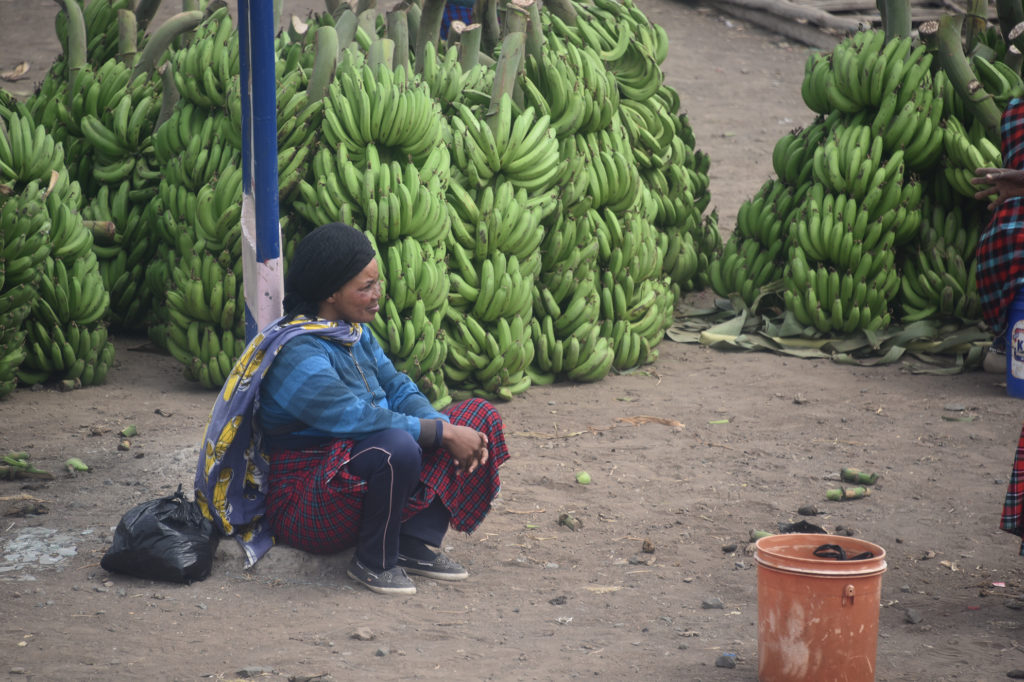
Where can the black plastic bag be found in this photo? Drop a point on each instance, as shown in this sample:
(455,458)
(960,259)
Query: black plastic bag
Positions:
(163,539)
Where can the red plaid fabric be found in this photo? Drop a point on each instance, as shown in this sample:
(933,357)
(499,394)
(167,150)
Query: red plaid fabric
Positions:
(1013,506)
(314,504)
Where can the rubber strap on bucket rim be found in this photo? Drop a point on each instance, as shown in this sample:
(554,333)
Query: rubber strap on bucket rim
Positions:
(838,553)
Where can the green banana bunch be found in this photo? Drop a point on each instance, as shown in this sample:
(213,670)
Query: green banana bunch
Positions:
(204,68)
(584,357)
(683,259)
(174,135)
(448,82)
(614,179)
(744,267)
(965,151)
(27,151)
(593,94)
(767,213)
(414,340)
(558,89)
(25,228)
(395,200)
(219,208)
(939,275)
(205,327)
(413,273)
(793,153)
(502,218)
(382,106)
(334,191)
(830,302)
(124,260)
(489,361)
(998,79)
(861,71)
(629,45)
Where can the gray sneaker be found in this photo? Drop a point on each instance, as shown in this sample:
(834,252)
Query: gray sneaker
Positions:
(389,581)
(440,567)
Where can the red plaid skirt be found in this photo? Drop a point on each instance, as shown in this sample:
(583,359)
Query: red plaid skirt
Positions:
(314,503)
(1013,505)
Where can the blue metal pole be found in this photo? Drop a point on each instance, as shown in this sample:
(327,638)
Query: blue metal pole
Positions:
(262,266)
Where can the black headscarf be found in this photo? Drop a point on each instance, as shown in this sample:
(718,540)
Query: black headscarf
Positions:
(324,260)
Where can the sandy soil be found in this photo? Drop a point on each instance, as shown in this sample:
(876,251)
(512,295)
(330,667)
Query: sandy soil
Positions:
(688,456)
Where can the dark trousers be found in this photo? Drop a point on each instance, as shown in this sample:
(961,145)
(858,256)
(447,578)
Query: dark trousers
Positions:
(389,461)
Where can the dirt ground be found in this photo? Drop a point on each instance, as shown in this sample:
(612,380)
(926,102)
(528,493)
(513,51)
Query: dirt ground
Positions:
(758,436)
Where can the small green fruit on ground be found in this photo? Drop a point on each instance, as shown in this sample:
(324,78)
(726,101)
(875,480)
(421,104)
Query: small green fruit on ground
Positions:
(583,478)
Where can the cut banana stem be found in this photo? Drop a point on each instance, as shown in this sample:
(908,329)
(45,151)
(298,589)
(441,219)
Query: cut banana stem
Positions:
(839,494)
(469,42)
(854,475)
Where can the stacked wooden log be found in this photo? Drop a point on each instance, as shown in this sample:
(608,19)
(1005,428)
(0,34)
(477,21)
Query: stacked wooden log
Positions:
(823,23)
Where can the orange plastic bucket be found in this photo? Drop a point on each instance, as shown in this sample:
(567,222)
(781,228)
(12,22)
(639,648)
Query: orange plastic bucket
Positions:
(817,617)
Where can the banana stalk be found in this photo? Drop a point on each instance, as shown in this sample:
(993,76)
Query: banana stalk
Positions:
(412,17)
(564,10)
(382,51)
(516,16)
(75,51)
(12,472)
(854,475)
(336,7)
(506,72)
(324,63)
(398,31)
(977,19)
(469,42)
(346,29)
(486,12)
(1014,58)
(103,231)
(534,32)
(943,36)
(429,29)
(895,18)
(1015,40)
(169,95)
(144,12)
(180,23)
(839,494)
(127,36)
(368,22)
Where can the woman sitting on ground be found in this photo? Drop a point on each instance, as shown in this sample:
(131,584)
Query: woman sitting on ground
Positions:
(342,449)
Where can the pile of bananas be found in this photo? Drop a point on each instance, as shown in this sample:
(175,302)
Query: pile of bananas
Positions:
(872,204)
(520,240)
(52,296)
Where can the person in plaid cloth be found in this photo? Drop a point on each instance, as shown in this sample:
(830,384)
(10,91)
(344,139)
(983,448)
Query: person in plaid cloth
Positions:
(1000,269)
(1000,252)
(343,449)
